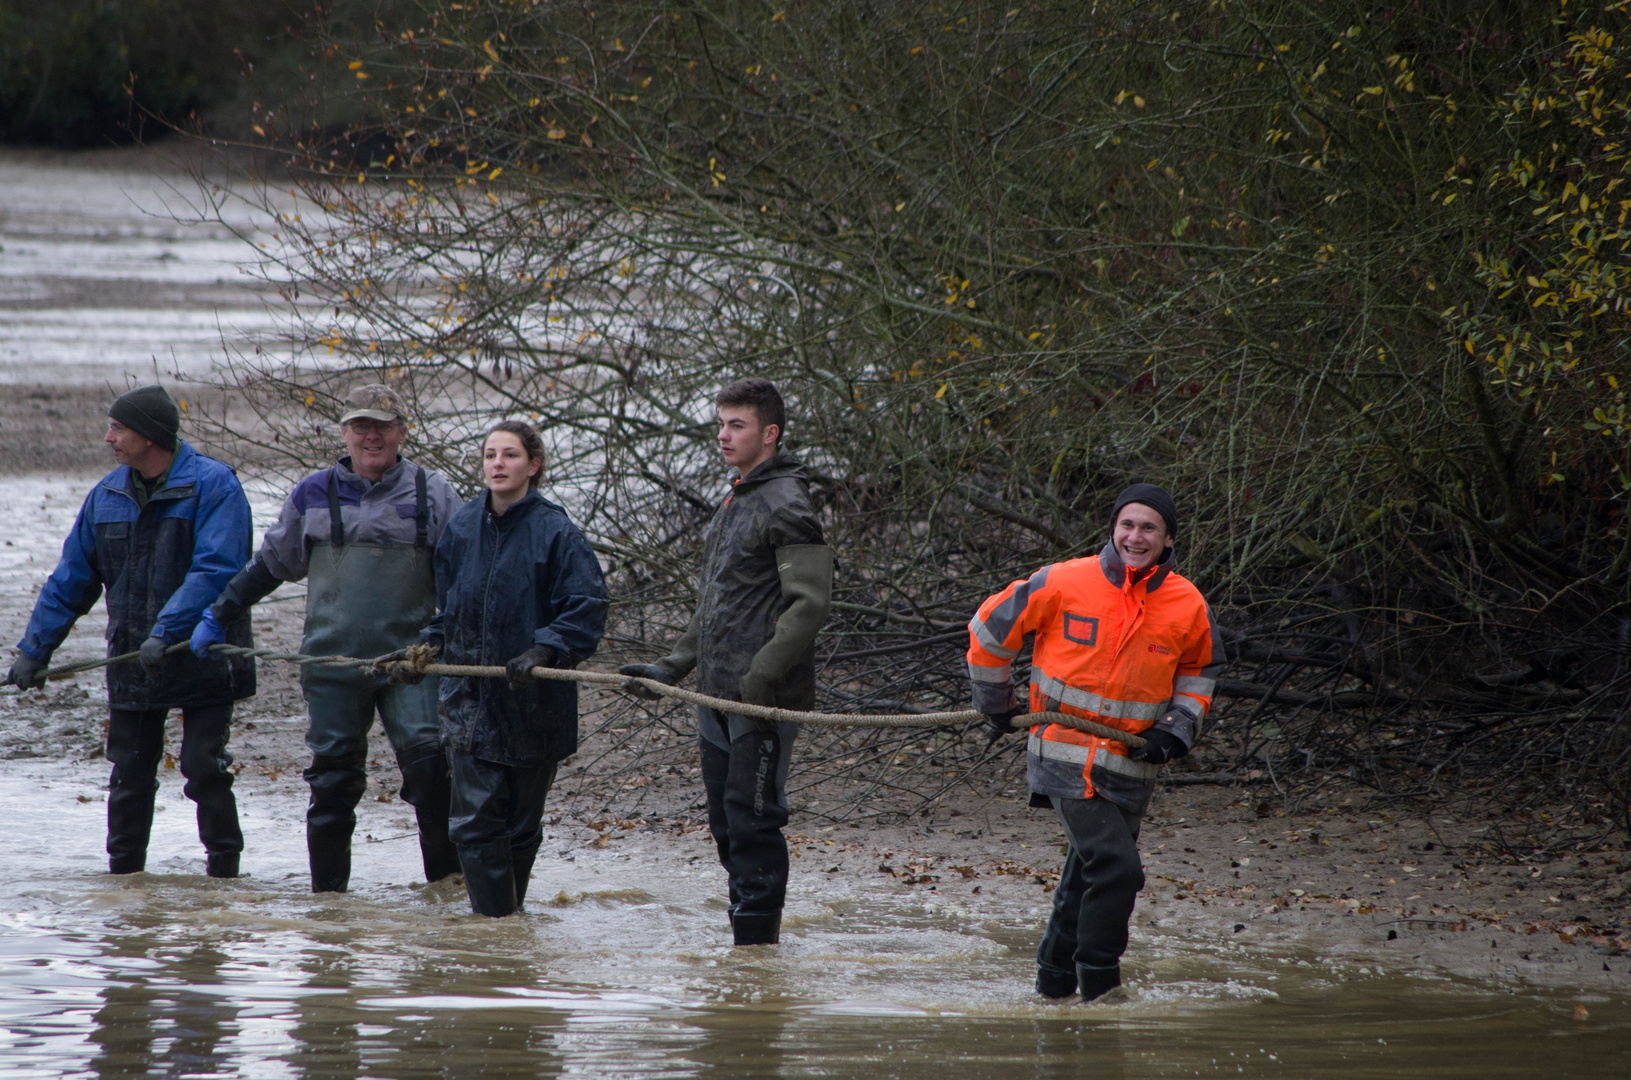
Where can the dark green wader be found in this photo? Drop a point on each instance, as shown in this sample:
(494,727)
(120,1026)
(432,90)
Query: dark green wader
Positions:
(366,600)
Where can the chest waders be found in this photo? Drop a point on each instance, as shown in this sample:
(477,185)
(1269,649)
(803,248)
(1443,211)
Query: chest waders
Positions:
(366,600)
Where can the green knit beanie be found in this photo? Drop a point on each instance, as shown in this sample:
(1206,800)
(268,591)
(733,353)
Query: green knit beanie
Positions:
(150,413)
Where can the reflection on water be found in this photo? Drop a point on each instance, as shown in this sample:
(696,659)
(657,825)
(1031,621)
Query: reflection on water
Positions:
(626,974)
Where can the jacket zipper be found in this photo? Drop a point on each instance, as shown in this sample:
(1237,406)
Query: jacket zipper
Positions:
(488,591)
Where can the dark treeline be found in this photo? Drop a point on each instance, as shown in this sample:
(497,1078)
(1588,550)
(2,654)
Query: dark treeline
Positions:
(1351,278)
(85,73)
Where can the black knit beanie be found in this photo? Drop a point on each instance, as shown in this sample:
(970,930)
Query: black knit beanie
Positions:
(1153,497)
(150,413)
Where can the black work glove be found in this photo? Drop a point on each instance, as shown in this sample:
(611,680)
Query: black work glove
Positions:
(152,654)
(654,672)
(26,672)
(1160,747)
(519,670)
(1002,725)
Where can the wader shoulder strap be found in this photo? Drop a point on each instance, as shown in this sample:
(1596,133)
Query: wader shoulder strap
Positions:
(421,534)
(336,527)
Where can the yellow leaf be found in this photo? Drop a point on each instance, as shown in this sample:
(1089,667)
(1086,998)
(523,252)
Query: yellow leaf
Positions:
(354,65)
(487,47)
(586,140)
(1138,102)
(556,133)
(1535,281)
(492,175)
(938,394)
(258,130)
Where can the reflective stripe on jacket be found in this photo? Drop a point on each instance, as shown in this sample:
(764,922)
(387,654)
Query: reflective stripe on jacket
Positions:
(1128,650)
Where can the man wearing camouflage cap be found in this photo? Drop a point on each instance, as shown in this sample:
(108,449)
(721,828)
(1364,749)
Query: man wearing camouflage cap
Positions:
(362,533)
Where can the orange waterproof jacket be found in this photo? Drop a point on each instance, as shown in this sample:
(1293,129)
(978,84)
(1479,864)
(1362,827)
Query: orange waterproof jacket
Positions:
(1128,650)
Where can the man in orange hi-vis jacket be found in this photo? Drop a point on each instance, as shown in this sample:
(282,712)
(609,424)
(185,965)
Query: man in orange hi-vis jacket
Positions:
(1119,638)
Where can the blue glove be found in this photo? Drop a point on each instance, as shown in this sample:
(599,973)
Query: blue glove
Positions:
(208,632)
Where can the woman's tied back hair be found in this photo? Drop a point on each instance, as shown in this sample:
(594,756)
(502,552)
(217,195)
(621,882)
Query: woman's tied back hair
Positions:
(531,442)
(761,396)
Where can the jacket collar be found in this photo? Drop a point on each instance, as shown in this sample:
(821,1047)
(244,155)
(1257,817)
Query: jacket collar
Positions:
(1115,570)
(781,463)
(348,475)
(518,509)
(183,473)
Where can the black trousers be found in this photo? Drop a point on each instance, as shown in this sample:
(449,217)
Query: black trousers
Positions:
(136,746)
(496,822)
(747,808)
(1094,902)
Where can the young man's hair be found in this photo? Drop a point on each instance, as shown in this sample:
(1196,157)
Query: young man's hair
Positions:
(761,396)
(530,442)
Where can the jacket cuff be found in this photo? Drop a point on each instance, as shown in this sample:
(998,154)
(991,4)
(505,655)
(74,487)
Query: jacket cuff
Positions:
(1181,724)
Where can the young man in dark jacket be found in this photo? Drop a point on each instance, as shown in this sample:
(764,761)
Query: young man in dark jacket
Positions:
(764,592)
(162,533)
(362,534)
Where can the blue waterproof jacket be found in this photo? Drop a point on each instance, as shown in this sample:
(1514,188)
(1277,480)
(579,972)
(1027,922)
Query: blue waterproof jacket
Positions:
(161,564)
(503,585)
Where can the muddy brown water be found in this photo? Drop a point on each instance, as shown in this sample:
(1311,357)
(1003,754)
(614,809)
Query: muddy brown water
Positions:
(621,966)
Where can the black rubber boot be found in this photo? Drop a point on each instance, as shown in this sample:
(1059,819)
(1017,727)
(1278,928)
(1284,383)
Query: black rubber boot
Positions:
(135,746)
(1056,984)
(427,787)
(1095,982)
(337,785)
(489,878)
(130,821)
(521,861)
(222,864)
(756,927)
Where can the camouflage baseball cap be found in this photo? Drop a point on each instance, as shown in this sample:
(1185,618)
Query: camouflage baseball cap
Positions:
(373,401)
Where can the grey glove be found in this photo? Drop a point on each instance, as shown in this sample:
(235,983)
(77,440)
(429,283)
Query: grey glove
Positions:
(152,654)
(397,669)
(654,672)
(1159,748)
(27,672)
(755,689)
(519,669)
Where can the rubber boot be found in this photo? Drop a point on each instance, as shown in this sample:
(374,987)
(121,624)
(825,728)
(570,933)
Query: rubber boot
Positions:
(521,860)
(130,822)
(222,864)
(489,878)
(427,787)
(756,927)
(1055,984)
(337,785)
(1095,982)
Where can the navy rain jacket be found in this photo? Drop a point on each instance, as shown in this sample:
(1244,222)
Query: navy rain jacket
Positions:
(503,585)
(161,565)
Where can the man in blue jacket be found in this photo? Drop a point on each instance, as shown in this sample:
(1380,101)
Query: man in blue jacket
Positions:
(162,534)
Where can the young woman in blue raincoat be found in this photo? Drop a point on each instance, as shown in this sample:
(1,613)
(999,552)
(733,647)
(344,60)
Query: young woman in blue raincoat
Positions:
(516,584)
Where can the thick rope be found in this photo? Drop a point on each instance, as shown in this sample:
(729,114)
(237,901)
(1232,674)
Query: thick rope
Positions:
(626,683)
